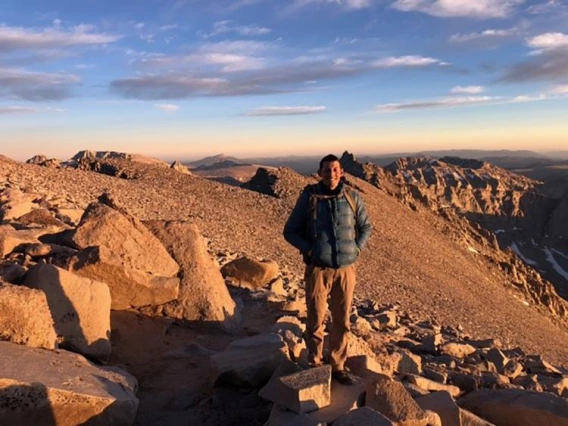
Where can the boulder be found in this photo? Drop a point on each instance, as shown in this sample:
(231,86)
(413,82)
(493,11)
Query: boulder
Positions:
(406,362)
(25,318)
(127,238)
(443,404)
(203,295)
(514,407)
(80,308)
(246,270)
(343,400)
(62,388)
(128,287)
(250,361)
(40,217)
(432,386)
(391,399)
(299,391)
(457,350)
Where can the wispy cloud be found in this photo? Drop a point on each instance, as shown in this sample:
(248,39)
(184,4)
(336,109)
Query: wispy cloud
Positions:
(489,34)
(479,9)
(405,61)
(346,4)
(558,92)
(33,86)
(549,61)
(468,90)
(16,110)
(170,108)
(223,27)
(551,6)
(18,38)
(436,103)
(285,110)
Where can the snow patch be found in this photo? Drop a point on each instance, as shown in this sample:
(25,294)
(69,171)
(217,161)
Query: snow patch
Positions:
(559,270)
(528,261)
(565,256)
(498,231)
(471,249)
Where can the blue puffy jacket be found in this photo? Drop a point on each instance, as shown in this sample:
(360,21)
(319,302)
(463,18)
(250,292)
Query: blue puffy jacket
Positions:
(336,236)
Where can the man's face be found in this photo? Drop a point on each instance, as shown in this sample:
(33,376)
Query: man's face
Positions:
(331,173)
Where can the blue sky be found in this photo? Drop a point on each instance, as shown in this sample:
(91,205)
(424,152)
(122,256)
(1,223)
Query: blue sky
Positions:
(183,79)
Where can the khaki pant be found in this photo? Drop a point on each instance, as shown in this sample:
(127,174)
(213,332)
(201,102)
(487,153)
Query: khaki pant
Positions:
(338,284)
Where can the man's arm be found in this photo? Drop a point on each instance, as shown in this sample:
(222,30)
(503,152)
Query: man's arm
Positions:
(363,224)
(295,228)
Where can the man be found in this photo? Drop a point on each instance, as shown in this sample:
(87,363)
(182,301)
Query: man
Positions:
(330,227)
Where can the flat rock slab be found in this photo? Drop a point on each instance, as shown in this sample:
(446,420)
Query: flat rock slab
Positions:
(514,407)
(307,390)
(343,400)
(363,416)
(62,388)
(25,318)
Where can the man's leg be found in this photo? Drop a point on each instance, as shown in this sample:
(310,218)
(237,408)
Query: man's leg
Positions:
(318,284)
(340,304)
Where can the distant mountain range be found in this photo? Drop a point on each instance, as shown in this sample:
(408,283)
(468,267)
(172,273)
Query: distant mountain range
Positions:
(509,159)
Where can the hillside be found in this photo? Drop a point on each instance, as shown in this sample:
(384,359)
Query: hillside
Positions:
(410,261)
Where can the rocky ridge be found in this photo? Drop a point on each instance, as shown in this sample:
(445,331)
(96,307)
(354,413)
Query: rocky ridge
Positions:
(517,211)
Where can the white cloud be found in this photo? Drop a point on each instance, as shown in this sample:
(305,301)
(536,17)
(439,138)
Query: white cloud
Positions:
(562,89)
(436,103)
(14,38)
(459,8)
(405,61)
(171,108)
(223,27)
(548,41)
(468,90)
(285,110)
(345,4)
(483,35)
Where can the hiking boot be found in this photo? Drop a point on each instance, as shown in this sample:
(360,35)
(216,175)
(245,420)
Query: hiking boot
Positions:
(343,378)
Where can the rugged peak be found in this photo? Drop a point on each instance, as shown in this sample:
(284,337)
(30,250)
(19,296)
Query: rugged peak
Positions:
(101,155)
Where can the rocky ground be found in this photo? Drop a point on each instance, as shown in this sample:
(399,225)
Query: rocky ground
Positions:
(428,292)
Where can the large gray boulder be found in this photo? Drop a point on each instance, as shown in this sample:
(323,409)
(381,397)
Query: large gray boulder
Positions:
(121,252)
(514,407)
(25,318)
(203,295)
(80,308)
(40,387)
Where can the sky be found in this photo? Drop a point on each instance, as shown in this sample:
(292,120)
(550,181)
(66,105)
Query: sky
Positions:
(188,78)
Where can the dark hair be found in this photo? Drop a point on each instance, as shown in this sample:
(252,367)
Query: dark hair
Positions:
(329,158)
